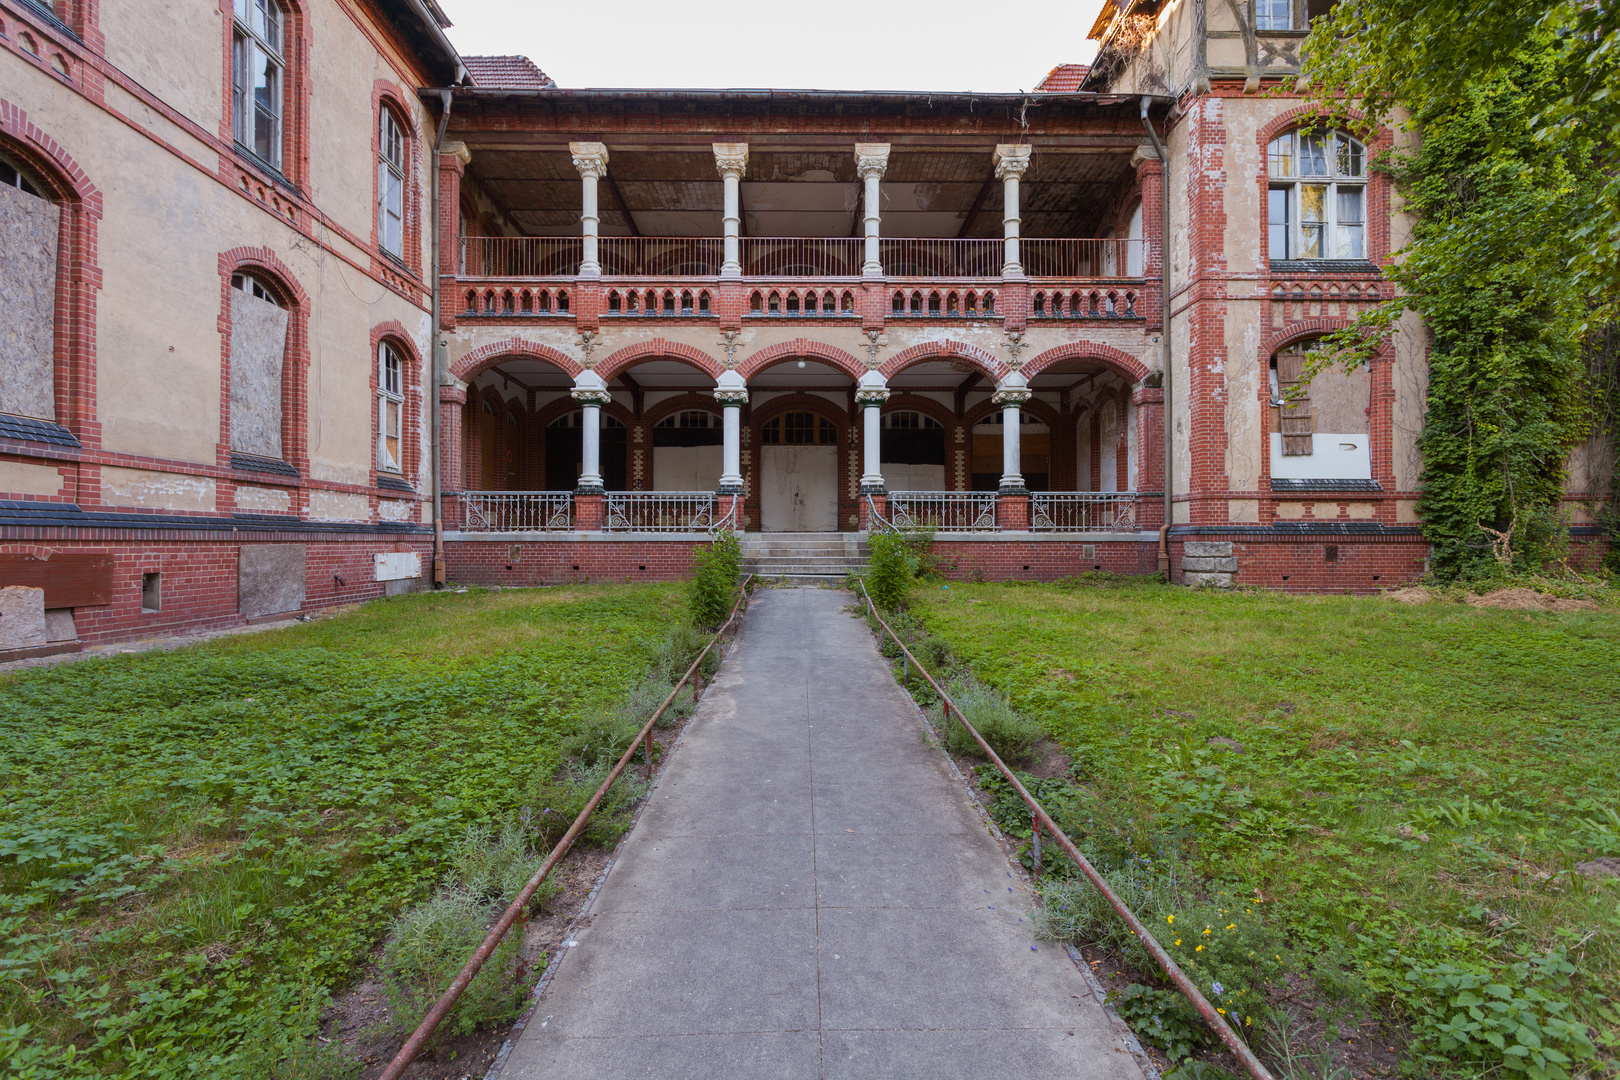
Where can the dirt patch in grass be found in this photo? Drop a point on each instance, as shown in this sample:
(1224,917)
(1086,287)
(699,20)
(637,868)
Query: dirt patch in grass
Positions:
(1529,600)
(1415,594)
(1047,760)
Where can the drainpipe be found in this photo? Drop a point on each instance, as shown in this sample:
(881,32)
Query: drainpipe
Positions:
(1164,291)
(446,97)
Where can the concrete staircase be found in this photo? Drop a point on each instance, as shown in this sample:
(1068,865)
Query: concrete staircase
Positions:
(816,558)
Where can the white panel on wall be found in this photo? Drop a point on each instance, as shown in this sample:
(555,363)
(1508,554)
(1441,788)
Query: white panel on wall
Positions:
(398,565)
(1334,457)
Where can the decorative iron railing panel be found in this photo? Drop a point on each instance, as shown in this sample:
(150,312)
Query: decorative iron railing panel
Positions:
(1083,511)
(944,511)
(516,511)
(662,511)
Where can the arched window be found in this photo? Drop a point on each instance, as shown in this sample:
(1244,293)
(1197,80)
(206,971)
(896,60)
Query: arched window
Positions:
(689,427)
(31,224)
(258,78)
(1317,204)
(390,408)
(259,320)
(391,184)
(799,429)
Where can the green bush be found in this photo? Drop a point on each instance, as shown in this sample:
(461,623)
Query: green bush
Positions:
(713,588)
(553,804)
(493,865)
(430,944)
(891,569)
(1010,734)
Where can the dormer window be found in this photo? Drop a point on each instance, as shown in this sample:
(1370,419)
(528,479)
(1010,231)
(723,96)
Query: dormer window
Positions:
(1316,206)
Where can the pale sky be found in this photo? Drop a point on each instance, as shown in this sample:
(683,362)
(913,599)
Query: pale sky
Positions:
(985,45)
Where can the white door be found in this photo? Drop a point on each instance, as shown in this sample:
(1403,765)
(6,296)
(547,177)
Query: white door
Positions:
(687,468)
(798,488)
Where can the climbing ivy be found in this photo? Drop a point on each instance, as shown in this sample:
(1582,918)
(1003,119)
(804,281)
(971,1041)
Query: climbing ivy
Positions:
(1498,211)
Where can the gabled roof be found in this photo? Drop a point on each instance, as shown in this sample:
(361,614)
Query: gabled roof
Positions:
(506,73)
(1063,79)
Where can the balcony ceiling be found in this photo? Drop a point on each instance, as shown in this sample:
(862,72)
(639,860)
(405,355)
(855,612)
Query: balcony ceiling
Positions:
(804,192)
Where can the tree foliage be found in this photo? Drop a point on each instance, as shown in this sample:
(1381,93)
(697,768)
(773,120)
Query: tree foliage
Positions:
(1512,261)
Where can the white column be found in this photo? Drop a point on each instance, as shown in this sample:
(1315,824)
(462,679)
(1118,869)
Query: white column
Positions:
(1011,394)
(591,159)
(591,393)
(870,394)
(732,394)
(871,162)
(731,159)
(1011,161)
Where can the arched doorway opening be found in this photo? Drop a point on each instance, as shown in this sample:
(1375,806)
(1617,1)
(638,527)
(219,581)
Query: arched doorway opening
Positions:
(1095,398)
(506,444)
(565,451)
(798,457)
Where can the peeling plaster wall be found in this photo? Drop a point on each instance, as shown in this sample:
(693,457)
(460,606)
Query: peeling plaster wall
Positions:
(338,506)
(28,236)
(1409,373)
(156,490)
(263,499)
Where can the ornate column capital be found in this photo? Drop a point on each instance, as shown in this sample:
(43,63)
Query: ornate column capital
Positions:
(1011,160)
(590,158)
(731,396)
(871,159)
(586,396)
(731,159)
(869,396)
(457,150)
(1010,396)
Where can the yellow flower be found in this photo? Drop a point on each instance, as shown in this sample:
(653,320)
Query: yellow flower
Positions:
(1231,926)
(1199,949)
(1171,919)
(1178,941)
(1249,1020)
(1221,1011)
(1206,931)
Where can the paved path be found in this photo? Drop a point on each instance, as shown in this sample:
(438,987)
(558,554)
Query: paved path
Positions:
(811,893)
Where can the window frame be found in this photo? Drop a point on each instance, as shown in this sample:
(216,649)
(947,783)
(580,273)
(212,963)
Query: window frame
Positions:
(1342,173)
(393,164)
(390,396)
(1263,23)
(250,43)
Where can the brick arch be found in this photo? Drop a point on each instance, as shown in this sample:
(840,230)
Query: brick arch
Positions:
(485,356)
(681,403)
(548,412)
(1301,115)
(78,273)
(1107,355)
(946,349)
(295,368)
(657,349)
(801,349)
(1306,329)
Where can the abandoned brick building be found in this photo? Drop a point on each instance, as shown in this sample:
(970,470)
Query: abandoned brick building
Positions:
(301,307)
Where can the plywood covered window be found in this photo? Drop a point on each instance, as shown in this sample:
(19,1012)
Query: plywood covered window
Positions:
(390,408)
(258,357)
(391,184)
(1316,207)
(258,78)
(29,230)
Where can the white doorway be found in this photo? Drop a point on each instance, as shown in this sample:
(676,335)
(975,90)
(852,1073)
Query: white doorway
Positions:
(798,488)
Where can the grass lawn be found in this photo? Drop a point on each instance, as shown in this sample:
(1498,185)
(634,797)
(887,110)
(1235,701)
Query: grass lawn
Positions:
(195,846)
(1389,799)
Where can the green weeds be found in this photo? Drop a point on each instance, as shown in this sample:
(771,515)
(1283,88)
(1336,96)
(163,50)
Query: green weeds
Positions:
(713,588)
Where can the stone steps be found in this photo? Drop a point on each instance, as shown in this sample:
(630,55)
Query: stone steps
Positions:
(804,558)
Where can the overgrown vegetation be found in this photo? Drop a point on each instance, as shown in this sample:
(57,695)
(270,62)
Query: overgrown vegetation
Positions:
(1333,809)
(713,588)
(1514,261)
(196,847)
(896,561)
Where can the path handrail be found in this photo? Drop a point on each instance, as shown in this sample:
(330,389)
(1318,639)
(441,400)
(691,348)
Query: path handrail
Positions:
(1217,1023)
(441,1008)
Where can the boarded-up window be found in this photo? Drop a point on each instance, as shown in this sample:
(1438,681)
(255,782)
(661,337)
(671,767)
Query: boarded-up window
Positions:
(1296,408)
(28,236)
(258,349)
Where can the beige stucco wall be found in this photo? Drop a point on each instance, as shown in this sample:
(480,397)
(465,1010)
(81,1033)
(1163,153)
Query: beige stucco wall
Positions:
(26,478)
(176,51)
(163,228)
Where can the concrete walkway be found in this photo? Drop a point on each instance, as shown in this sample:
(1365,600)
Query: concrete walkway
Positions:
(811,893)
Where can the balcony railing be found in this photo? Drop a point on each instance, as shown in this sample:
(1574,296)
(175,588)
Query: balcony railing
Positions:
(796,256)
(944,511)
(663,511)
(1083,511)
(516,511)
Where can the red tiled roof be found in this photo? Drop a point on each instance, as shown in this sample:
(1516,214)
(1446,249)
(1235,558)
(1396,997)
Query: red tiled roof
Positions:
(506,73)
(1063,79)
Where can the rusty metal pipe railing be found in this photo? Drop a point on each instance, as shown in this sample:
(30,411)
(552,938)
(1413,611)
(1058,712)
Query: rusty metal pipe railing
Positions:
(1040,817)
(447,1001)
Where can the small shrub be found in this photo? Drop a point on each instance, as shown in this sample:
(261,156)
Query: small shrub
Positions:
(890,571)
(493,865)
(713,588)
(1010,734)
(431,943)
(1164,1018)
(554,803)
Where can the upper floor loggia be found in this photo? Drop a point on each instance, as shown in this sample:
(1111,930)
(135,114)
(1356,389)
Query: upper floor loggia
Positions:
(739,205)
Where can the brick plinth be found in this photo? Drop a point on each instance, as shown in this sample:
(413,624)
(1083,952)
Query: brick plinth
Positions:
(1026,559)
(1012,512)
(1348,562)
(573,557)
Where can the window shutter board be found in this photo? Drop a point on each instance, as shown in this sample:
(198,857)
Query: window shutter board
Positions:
(1297,446)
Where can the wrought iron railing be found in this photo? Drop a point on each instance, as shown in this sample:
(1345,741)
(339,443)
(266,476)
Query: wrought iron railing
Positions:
(1083,511)
(904,257)
(663,511)
(802,256)
(945,511)
(1083,258)
(516,511)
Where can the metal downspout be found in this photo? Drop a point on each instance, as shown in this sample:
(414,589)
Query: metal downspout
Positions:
(1164,338)
(446,97)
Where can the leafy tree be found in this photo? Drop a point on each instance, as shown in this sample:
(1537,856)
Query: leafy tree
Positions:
(1513,261)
